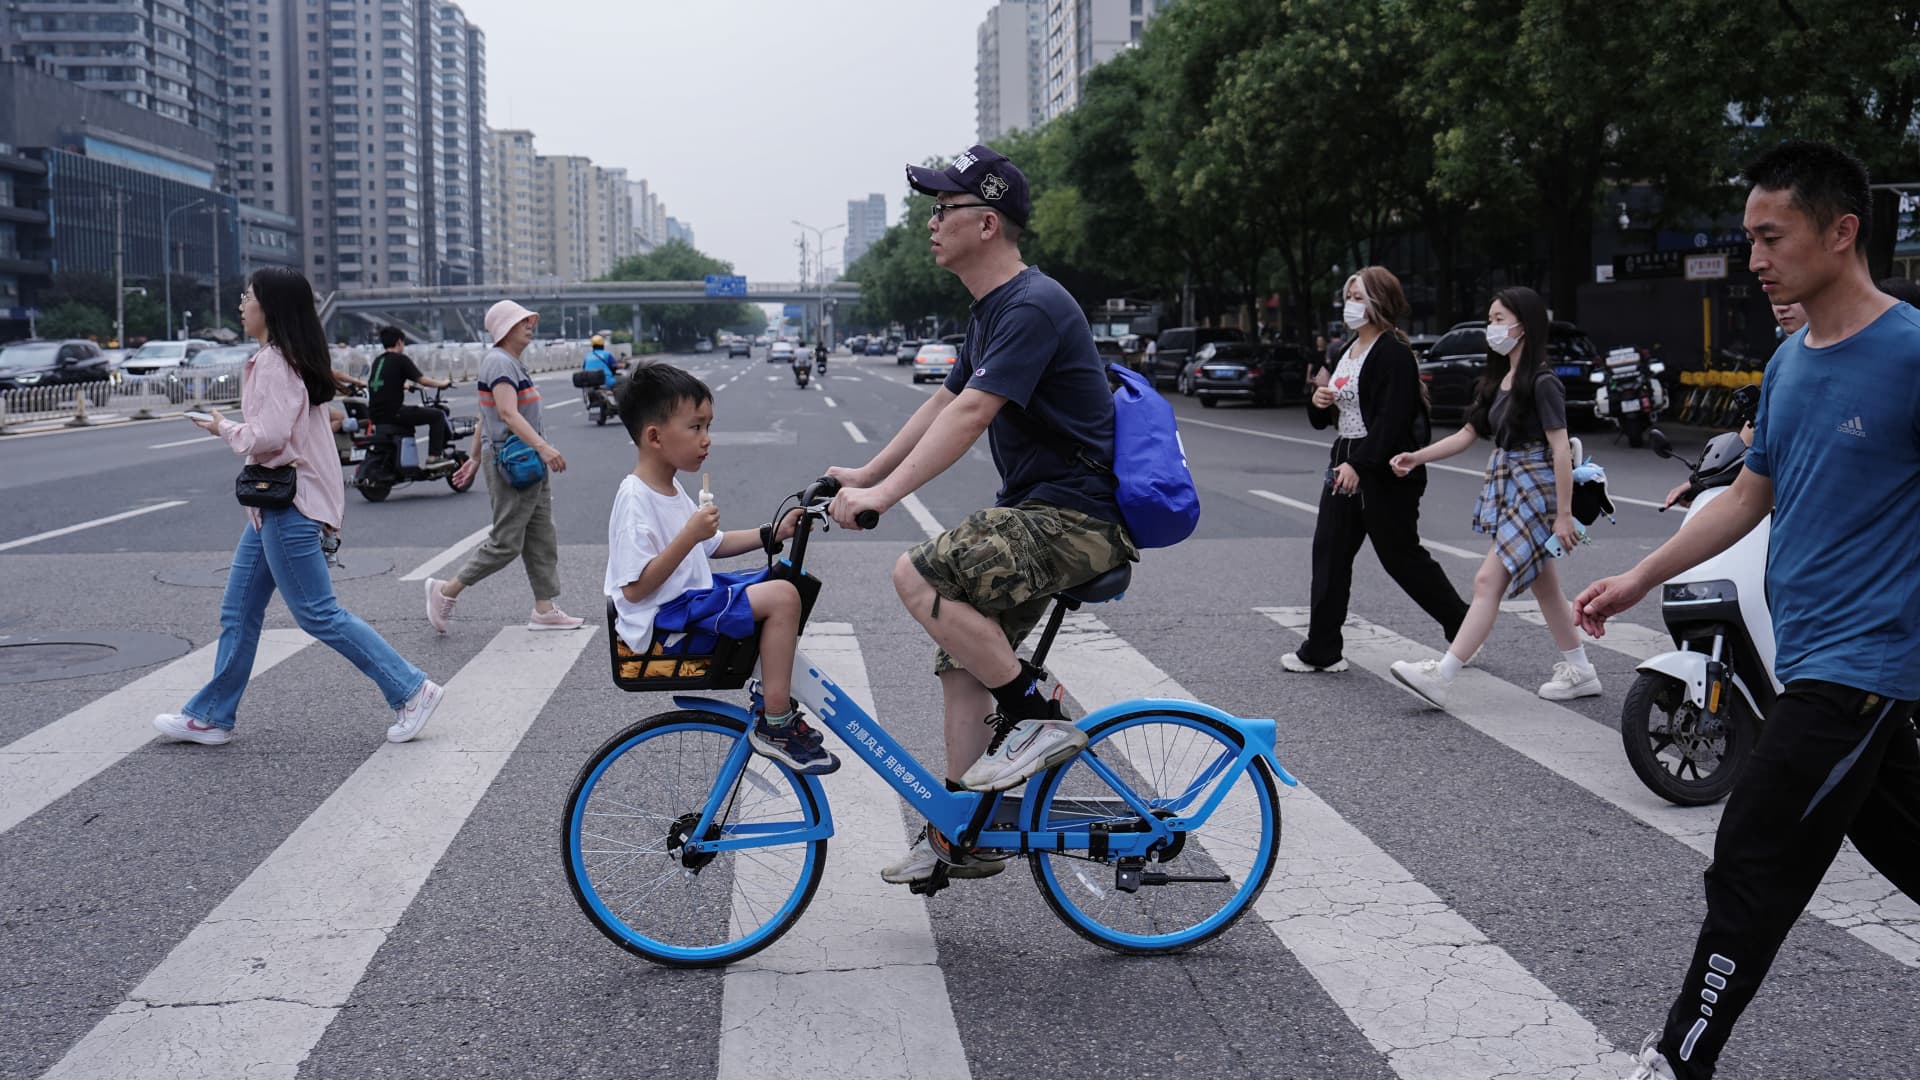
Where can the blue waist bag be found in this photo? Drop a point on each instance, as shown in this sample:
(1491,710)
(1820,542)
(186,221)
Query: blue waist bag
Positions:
(519,463)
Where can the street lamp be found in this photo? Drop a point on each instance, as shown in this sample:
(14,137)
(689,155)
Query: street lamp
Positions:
(166,254)
(820,240)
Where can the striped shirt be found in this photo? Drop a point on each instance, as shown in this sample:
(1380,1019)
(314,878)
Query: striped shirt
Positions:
(501,372)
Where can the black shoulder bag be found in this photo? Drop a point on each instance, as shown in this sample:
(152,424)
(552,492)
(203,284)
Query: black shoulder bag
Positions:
(265,487)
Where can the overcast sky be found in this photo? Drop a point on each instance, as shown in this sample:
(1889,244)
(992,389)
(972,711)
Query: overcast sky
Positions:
(744,115)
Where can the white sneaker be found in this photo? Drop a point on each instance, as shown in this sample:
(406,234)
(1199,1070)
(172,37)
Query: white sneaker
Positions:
(1650,1063)
(1423,678)
(1292,662)
(439,605)
(1028,747)
(1570,682)
(186,729)
(411,717)
(920,861)
(553,619)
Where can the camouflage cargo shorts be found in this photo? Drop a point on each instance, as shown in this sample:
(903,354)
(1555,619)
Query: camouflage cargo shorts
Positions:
(1007,560)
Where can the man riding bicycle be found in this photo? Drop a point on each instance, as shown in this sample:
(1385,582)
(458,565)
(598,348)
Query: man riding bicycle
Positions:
(1030,377)
(387,393)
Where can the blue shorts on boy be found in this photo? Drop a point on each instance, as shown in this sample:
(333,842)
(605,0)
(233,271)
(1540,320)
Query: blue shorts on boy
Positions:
(693,599)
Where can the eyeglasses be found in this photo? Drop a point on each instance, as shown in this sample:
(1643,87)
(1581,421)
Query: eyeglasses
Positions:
(940,208)
(247,297)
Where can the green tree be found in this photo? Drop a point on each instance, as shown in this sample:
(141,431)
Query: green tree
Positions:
(899,281)
(73,319)
(678,325)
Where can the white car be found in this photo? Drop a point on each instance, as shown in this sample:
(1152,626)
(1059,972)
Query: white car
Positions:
(157,356)
(780,352)
(934,362)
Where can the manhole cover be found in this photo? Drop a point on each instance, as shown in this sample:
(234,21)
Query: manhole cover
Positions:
(71,654)
(348,569)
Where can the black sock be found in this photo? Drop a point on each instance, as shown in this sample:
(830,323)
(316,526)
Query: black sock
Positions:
(955,785)
(1022,698)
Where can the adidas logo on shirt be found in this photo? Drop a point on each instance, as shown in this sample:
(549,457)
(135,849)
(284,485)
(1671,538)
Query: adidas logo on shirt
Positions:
(1854,428)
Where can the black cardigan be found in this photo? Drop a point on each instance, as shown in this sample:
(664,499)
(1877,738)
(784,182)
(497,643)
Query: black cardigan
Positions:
(1389,402)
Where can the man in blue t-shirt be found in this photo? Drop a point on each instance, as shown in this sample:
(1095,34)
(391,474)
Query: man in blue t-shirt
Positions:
(1028,376)
(1836,460)
(598,358)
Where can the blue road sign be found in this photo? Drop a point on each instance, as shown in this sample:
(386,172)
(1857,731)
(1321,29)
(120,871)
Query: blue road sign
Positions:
(726,285)
(794,311)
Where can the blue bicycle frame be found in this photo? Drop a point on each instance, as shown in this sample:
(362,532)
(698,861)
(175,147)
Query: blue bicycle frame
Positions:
(962,814)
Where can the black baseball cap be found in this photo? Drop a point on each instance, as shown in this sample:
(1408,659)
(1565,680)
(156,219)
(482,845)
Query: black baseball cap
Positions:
(981,171)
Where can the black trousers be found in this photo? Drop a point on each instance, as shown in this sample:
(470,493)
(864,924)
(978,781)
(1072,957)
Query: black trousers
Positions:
(414,416)
(1832,763)
(1386,512)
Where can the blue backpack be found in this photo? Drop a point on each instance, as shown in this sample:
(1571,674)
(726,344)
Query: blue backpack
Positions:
(1155,490)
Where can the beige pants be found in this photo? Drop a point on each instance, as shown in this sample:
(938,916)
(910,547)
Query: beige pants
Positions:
(522,529)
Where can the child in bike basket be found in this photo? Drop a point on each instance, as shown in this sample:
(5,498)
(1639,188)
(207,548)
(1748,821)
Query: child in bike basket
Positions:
(658,544)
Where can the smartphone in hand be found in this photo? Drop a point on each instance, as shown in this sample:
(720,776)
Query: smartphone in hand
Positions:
(198,417)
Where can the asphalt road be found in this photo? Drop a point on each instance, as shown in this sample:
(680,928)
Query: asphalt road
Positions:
(1474,893)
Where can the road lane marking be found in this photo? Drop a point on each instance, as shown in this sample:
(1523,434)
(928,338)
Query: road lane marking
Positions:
(95,523)
(1631,640)
(922,516)
(1853,897)
(1427,988)
(460,547)
(1297,504)
(830,402)
(268,970)
(45,764)
(203,440)
(556,406)
(864,946)
(853,431)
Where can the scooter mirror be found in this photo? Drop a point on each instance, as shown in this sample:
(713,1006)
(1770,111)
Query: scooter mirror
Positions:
(1658,440)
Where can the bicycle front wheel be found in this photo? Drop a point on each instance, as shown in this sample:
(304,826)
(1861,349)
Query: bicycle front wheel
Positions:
(1174,763)
(638,800)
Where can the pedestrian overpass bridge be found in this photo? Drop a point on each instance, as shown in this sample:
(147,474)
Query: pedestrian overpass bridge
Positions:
(458,308)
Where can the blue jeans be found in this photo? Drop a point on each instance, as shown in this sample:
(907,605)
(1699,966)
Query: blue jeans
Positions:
(285,553)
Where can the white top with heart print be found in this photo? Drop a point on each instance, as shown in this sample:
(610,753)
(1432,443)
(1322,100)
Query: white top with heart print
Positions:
(1346,394)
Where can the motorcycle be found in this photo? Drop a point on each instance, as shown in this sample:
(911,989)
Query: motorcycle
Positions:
(820,360)
(1694,714)
(1633,395)
(388,455)
(801,372)
(598,396)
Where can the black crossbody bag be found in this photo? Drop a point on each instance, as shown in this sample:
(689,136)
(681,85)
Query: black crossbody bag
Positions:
(265,487)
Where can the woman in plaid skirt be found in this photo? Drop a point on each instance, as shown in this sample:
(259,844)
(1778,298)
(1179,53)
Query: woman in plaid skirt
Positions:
(1525,503)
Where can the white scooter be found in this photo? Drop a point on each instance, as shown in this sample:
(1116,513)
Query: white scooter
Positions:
(1695,713)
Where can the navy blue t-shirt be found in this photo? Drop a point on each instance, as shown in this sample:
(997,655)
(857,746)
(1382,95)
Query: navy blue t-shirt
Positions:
(1028,342)
(1838,432)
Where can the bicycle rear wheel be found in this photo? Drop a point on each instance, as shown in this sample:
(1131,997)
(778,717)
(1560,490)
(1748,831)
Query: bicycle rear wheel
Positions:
(635,803)
(1174,762)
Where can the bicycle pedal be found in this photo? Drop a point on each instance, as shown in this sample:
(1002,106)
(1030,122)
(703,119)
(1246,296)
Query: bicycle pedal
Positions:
(932,883)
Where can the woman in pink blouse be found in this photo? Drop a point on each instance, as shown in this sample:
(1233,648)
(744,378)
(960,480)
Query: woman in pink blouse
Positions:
(283,396)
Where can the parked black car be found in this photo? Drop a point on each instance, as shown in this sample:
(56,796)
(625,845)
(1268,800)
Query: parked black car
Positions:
(1176,346)
(37,362)
(1453,366)
(1258,374)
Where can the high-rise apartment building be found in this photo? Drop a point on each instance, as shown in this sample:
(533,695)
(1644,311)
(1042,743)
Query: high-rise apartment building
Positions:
(583,218)
(167,56)
(1082,35)
(1010,75)
(262,120)
(452,65)
(514,251)
(866,221)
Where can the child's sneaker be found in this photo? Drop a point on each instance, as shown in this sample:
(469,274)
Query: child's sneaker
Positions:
(793,744)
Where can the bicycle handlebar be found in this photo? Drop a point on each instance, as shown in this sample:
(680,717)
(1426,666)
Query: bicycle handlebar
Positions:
(825,489)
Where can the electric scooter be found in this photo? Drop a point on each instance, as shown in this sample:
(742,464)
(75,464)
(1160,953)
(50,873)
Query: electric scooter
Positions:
(1694,714)
(802,371)
(389,455)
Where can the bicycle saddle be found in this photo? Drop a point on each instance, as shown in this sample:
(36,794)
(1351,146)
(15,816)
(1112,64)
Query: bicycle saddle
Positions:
(1108,586)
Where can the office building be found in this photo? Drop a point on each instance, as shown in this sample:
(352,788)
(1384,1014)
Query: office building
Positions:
(866,222)
(452,69)
(1010,74)
(676,230)
(164,56)
(1083,34)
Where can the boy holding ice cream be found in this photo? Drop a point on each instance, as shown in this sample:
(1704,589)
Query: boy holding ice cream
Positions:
(657,579)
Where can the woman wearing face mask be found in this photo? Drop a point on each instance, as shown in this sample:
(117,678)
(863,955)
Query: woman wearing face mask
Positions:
(1525,503)
(1374,397)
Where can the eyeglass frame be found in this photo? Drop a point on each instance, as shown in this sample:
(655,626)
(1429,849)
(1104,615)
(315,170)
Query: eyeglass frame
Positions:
(940,209)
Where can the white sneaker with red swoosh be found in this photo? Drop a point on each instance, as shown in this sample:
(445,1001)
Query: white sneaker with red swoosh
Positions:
(1021,749)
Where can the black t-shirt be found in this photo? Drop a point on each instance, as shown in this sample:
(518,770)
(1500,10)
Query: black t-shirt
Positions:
(1028,342)
(1549,414)
(387,384)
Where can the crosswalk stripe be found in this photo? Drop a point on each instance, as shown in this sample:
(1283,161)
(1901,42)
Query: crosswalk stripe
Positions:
(1854,897)
(261,978)
(1628,639)
(45,764)
(863,949)
(1423,984)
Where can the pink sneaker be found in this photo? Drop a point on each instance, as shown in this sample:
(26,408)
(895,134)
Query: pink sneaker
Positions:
(439,605)
(187,729)
(553,620)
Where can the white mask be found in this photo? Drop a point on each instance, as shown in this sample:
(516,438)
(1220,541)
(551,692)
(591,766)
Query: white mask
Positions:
(1355,314)
(1502,338)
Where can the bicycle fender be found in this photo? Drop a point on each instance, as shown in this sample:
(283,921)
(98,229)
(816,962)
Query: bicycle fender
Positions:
(735,712)
(1261,734)
(1687,668)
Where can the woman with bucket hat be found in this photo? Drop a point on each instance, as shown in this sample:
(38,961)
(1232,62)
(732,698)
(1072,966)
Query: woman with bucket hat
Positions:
(513,453)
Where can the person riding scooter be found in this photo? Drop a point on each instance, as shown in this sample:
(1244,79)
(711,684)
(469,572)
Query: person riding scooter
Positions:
(820,356)
(802,369)
(387,392)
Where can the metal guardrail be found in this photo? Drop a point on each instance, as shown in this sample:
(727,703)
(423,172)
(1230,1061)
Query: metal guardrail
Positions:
(140,397)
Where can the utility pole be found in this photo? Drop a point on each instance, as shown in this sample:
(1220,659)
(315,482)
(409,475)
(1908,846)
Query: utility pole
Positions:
(216,264)
(120,269)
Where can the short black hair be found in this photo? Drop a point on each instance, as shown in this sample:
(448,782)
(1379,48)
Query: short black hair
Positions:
(651,392)
(1902,289)
(1826,183)
(392,337)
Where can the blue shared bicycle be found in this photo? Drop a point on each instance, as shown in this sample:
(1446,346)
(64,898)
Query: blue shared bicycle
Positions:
(685,847)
